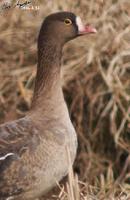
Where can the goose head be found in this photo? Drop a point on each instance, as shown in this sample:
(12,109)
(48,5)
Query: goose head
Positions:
(64,26)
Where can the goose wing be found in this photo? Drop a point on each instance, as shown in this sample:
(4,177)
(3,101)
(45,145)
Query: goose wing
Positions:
(14,136)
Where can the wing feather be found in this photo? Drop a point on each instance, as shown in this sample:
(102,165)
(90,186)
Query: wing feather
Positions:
(14,136)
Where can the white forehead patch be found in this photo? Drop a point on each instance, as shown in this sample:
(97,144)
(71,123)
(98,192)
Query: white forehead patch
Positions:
(79,24)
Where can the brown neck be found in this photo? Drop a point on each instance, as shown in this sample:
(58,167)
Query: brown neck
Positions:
(47,91)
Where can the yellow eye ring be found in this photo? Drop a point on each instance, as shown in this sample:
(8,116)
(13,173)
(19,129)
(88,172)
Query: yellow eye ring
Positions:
(67,21)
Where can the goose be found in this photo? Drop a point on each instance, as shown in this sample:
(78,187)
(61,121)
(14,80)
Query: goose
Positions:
(33,149)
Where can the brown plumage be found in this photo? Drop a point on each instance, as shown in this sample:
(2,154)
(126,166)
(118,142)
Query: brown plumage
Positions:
(33,150)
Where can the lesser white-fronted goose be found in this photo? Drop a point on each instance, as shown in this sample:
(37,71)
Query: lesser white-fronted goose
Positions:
(33,150)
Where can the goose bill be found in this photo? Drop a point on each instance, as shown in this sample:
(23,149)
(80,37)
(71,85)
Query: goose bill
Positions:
(84,29)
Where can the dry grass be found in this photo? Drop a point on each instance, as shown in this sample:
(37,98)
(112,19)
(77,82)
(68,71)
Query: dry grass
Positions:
(96,80)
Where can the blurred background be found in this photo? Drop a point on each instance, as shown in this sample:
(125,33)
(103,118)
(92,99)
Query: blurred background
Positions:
(96,84)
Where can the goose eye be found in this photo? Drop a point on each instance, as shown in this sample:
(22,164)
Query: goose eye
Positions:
(67,21)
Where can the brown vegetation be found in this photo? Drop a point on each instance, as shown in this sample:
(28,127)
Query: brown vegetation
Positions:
(96,81)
